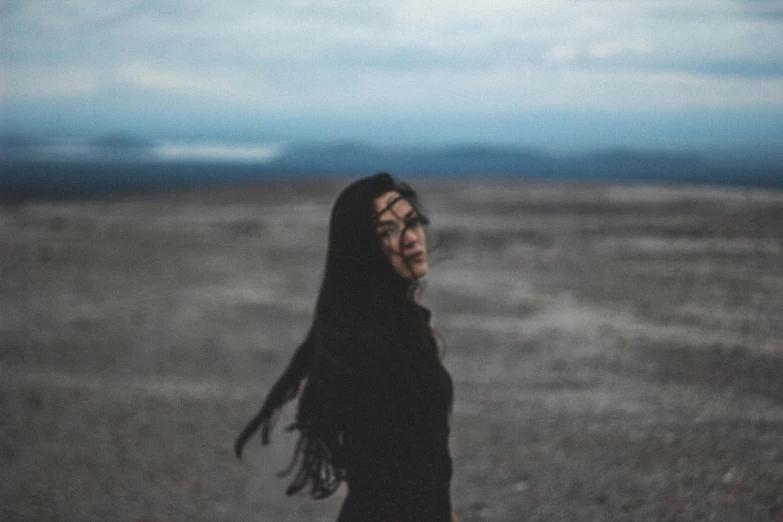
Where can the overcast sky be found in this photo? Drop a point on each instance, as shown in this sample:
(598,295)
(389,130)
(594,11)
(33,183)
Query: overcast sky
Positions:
(544,73)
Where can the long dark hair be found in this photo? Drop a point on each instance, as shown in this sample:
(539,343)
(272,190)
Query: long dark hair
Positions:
(362,299)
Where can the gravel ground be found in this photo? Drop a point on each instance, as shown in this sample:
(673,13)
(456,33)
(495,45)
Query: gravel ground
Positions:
(617,350)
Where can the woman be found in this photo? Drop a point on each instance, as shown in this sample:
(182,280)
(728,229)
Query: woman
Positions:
(375,404)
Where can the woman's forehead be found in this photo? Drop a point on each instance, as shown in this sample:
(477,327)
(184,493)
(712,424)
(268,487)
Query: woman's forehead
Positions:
(391,205)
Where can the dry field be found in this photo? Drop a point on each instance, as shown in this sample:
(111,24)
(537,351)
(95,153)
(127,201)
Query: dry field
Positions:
(617,350)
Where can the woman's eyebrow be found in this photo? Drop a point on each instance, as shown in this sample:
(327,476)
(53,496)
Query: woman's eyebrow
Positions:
(388,206)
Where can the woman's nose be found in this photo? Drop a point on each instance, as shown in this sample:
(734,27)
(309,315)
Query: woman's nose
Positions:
(409,237)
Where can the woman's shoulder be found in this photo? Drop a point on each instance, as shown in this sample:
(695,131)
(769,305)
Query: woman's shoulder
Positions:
(360,337)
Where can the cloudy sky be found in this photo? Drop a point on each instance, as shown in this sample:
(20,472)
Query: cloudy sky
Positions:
(550,73)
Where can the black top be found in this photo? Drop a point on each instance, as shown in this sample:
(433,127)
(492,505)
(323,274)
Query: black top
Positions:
(394,416)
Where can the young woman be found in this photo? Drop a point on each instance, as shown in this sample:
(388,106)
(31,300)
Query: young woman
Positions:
(375,401)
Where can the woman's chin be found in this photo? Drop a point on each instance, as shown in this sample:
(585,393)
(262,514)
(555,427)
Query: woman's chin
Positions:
(419,270)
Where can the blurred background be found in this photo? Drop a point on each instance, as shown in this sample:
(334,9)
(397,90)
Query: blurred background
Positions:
(660,90)
(604,184)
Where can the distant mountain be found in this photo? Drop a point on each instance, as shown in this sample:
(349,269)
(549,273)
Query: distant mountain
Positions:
(121,141)
(13,140)
(31,167)
(644,164)
(623,155)
(477,159)
(355,158)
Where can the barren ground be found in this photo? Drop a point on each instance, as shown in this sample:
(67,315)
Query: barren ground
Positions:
(617,350)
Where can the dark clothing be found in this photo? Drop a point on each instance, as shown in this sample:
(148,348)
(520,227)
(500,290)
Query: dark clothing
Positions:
(395,421)
(418,501)
(400,470)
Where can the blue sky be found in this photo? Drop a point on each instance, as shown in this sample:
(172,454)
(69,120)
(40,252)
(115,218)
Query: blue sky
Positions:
(554,73)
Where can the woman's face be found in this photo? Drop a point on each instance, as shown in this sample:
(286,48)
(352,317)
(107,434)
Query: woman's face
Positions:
(401,235)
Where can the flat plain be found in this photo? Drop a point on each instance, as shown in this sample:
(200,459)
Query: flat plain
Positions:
(617,350)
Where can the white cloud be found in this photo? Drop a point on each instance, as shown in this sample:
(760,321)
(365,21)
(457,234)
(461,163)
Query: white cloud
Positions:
(494,90)
(511,89)
(246,153)
(215,84)
(163,79)
(616,48)
(603,50)
(48,82)
(562,53)
(353,56)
